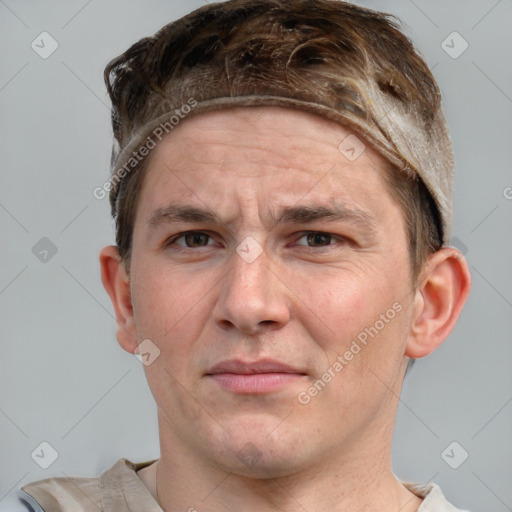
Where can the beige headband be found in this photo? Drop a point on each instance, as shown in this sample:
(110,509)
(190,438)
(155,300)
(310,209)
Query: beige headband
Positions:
(405,146)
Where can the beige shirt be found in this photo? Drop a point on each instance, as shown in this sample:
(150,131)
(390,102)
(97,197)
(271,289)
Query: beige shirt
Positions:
(119,489)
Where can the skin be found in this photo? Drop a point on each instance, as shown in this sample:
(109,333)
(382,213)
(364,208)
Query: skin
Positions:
(302,302)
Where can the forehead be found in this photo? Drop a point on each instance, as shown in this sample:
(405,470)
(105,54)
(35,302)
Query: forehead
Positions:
(279,136)
(280,153)
(260,121)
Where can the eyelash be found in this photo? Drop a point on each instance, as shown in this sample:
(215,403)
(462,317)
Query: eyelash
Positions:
(172,240)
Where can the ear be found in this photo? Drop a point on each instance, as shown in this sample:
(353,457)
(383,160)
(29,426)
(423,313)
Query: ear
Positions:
(442,290)
(117,285)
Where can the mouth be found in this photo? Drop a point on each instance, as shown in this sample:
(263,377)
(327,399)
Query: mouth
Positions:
(256,377)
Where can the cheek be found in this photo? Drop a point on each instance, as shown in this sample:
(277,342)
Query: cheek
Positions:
(338,306)
(169,308)
(363,359)
(362,318)
(171,311)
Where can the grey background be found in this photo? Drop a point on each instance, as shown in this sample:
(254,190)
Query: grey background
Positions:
(63,377)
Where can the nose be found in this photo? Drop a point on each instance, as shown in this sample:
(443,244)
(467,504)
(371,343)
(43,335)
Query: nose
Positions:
(252,297)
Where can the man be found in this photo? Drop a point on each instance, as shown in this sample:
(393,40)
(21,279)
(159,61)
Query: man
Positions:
(282,188)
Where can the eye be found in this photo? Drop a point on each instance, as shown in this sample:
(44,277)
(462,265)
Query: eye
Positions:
(191,239)
(318,239)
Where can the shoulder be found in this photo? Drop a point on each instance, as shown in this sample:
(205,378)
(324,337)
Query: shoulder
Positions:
(433,498)
(113,490)
(62,494)
(25,503)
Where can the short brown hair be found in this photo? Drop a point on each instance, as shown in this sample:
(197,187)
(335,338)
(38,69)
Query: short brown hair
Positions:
(250,45)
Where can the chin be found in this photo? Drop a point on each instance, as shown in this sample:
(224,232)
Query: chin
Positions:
(254,453)
(252,462)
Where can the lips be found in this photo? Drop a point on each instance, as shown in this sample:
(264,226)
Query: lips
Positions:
(248,368)
(258,377)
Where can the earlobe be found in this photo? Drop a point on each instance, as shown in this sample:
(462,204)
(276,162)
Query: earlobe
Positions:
(442,291)
(117,285)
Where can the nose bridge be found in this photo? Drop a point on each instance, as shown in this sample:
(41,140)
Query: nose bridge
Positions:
(251,292)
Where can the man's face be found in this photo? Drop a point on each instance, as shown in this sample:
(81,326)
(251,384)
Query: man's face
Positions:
(305,291)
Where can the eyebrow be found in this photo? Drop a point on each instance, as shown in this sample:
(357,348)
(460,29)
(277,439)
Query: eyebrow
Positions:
(292,214)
